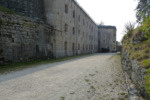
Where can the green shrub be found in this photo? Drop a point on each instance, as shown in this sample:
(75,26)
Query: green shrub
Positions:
(129,28)
(147,81)
(146,63)
(146,27)
(6,9)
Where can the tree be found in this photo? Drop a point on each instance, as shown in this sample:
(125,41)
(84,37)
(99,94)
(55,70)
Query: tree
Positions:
(129,28)
(143,9)
(101,23)
(146,27)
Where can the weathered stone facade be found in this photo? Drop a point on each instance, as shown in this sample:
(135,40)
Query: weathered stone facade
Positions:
(55,28)
(78,33)
(132,64)
(30,8)
(24,39)
(107,38)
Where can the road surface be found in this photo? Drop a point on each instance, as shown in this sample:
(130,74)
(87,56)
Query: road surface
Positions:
(94,77)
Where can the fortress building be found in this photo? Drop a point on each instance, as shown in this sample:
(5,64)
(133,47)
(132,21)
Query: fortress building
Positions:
(107,38)
(70,30)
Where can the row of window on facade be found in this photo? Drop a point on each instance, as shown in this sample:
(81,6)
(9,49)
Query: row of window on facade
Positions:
(85,47)
(73,31)
(73,14)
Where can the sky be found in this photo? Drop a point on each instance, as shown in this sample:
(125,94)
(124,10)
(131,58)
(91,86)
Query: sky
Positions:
(111,12)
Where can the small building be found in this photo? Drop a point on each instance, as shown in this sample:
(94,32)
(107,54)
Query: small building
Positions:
(107,38)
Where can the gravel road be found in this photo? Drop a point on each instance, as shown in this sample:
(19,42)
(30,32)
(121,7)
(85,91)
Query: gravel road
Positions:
(94,77)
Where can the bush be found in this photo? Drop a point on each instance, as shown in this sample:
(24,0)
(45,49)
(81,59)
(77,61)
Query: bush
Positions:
(147,83)
(129,28)
(146,27)
(146,63)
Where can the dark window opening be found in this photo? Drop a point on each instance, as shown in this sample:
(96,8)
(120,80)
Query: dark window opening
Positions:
(66,28)
(73,30)
(66,8)
(73,14)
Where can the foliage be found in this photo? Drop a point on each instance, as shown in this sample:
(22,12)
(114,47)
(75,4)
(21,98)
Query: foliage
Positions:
(6,9)
(147,83)
(24,65)
(146,63)
(129,28)
(146,27)
(143,9)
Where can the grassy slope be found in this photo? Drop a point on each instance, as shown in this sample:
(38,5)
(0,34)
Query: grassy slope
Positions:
(140,52)
(23,65)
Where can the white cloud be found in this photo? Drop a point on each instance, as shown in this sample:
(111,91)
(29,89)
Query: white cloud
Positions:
(111,12)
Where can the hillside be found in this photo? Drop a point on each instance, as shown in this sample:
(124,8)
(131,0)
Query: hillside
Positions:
(136,59)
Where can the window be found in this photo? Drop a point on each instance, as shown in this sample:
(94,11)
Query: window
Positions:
(73,46)
(66,28)
(83,47)
(78,46)
(73,14)
(78,31)
(65,44)
(66,8)
(79,18)
(83,22)
(73,30)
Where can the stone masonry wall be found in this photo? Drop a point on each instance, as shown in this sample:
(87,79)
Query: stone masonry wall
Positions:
(30,8)
(24,39)
(107,38)
(78,33)
(133,67)
(135,71)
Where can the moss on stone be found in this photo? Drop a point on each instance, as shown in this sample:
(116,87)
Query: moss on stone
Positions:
(4,9)
(146,63)
(147,81)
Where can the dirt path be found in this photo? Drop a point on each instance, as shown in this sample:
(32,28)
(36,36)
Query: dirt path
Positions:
(96,77)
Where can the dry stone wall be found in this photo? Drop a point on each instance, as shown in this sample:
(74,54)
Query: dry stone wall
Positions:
(132,66)
(30,8)
(24,39)
(135,71)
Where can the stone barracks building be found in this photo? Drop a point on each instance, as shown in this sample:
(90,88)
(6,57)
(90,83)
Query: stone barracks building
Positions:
(50,29)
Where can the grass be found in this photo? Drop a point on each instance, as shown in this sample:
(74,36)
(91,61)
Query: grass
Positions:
(62,98)
(96,71)
(146,63)
(92,87)
(87,80)
(138,48)
(147,81)
(91,74)
(122,93)
(4,9)
(88,91)
(23,65)
(72,93)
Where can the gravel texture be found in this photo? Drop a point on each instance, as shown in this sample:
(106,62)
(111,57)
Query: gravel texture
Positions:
(95,77)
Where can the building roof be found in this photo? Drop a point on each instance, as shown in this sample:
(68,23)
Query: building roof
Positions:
(107,27)
(84,11)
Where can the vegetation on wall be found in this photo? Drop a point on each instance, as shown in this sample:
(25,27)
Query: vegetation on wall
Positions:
(4,9)
(136,42)
(143,9)
(146,27)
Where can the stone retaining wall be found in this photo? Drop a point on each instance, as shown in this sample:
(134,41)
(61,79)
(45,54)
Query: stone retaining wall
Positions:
(30,8)
(135,71)
(24,39)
